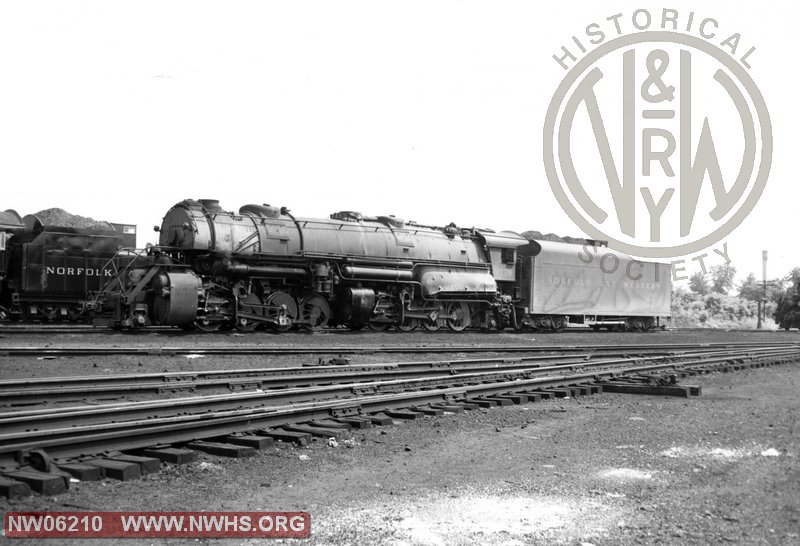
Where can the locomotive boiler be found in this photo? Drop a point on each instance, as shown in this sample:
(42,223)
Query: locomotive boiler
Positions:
(263,266)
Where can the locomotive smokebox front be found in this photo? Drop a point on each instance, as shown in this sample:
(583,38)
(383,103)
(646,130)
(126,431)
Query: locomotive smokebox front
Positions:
(185,226)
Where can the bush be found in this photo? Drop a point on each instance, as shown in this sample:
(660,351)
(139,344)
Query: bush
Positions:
(715,310)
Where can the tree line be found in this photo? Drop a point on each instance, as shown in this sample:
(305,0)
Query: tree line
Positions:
(714,300)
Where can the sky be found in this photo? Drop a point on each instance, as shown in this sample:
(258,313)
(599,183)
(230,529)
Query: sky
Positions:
(431,111)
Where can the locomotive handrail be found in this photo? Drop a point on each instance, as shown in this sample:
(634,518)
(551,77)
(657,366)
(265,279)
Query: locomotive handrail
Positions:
(381,261)
(113,264)
(288,213)
(137,253)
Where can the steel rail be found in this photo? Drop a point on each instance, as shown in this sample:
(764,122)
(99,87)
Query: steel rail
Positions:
(31,391)
(233,349)
(83,440)
(37,421)
(54,389)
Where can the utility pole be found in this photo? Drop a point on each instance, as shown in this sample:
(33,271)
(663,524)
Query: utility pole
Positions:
(763,301)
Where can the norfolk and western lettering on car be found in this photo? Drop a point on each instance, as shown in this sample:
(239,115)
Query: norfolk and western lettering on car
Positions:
(79,271)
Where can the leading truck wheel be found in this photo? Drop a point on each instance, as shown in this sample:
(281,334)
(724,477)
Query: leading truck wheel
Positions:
(205,325)
(245,325)
(378,326)
(249,303)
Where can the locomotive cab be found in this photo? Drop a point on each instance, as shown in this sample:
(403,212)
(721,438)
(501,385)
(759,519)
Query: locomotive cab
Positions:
(502,250)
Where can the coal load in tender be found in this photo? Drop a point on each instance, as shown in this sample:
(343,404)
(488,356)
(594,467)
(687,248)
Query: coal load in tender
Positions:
(539,236)
(61,218)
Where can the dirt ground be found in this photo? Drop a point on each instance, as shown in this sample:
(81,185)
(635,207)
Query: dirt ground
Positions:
(605,469)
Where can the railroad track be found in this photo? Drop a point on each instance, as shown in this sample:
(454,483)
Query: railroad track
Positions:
(51,390)
(351,396)
(91,329)
(345,349)
(22,392)
(177,391)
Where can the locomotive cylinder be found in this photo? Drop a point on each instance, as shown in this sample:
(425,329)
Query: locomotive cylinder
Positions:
(357,305)
(176,297)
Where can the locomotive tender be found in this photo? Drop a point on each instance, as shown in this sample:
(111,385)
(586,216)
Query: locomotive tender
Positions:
(47,270)
(264,266)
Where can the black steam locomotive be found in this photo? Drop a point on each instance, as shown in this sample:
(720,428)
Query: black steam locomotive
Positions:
(262,266)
